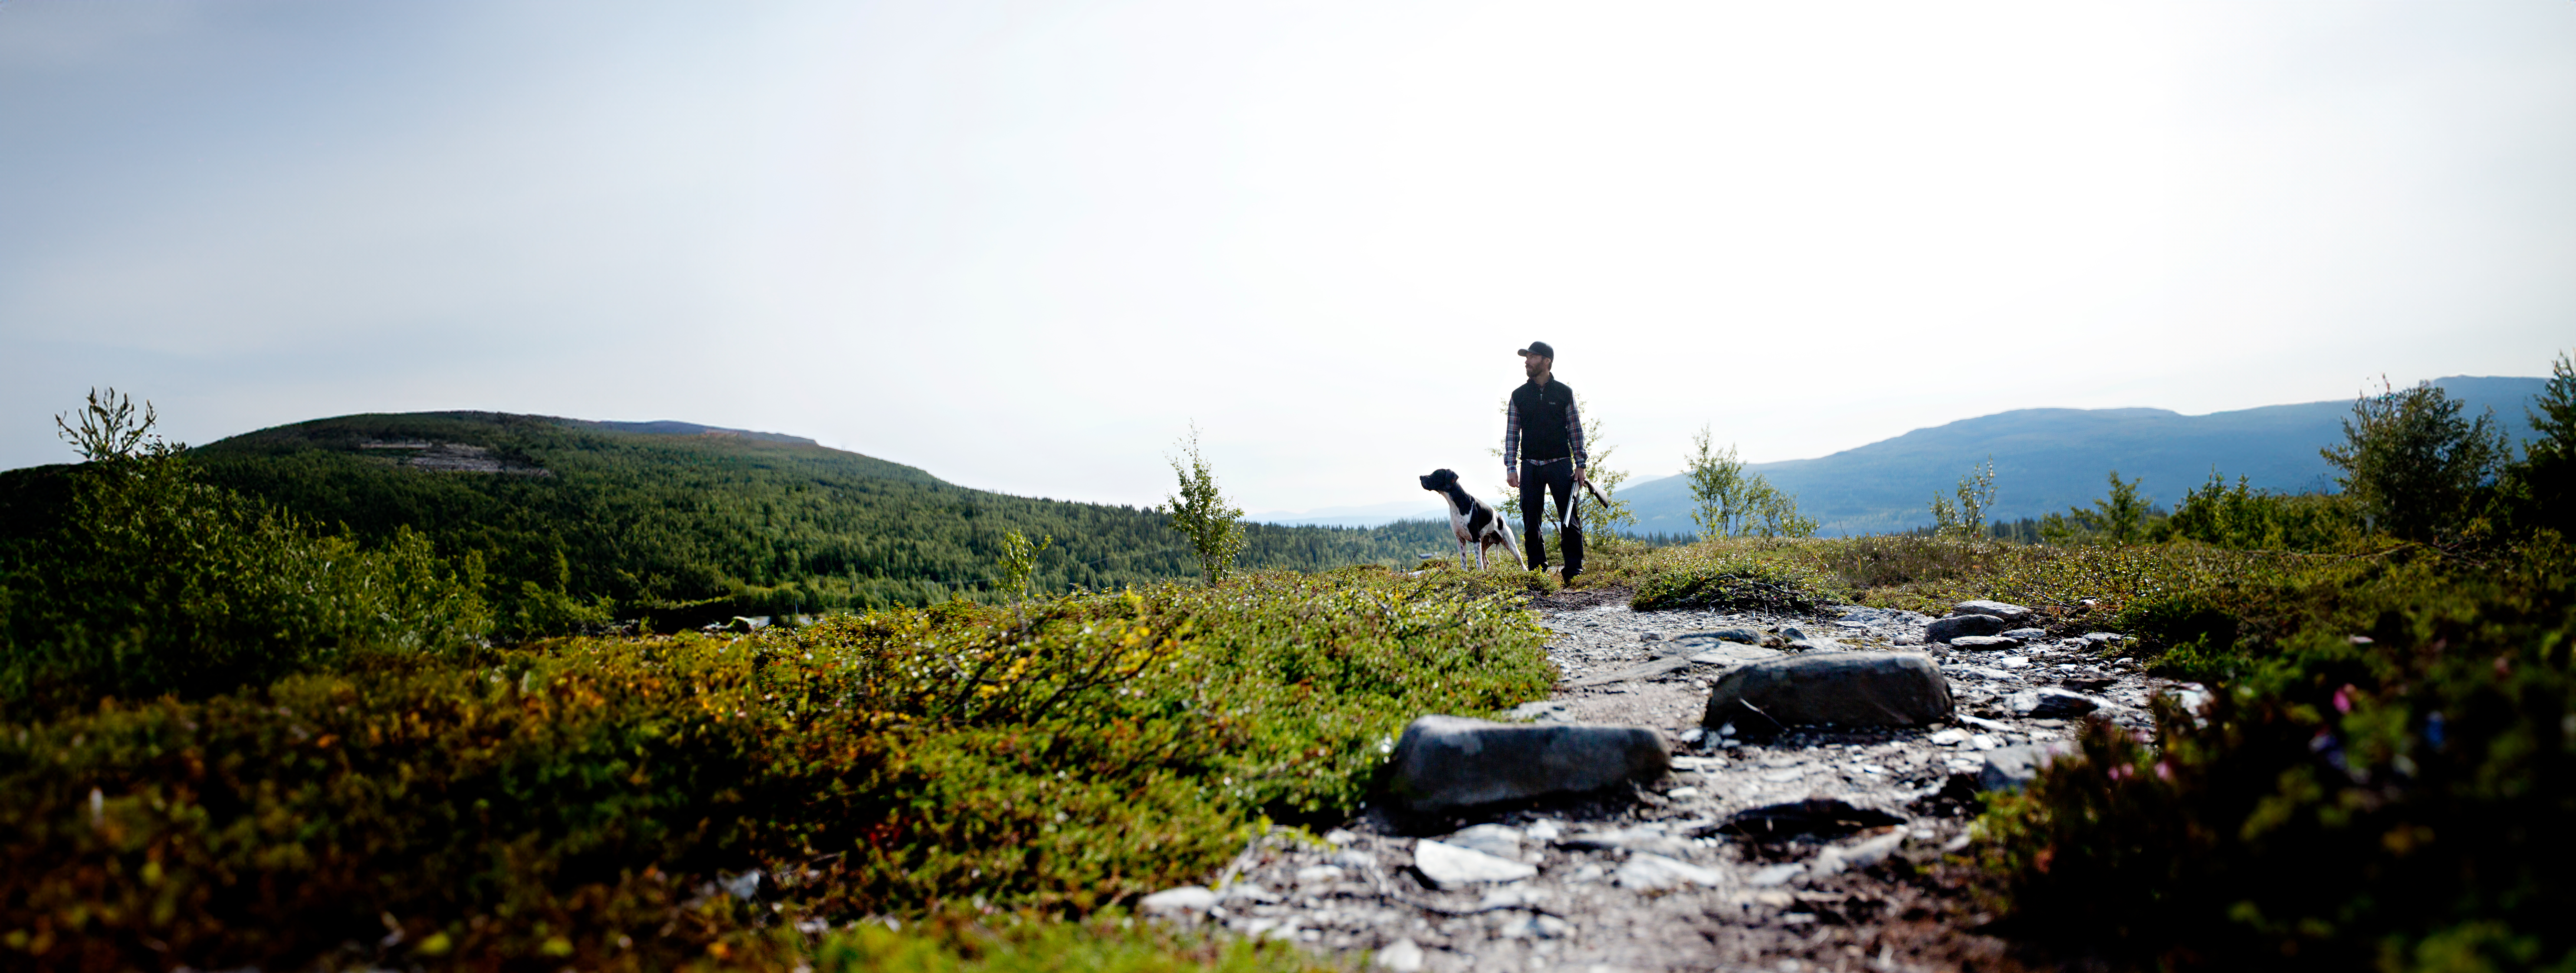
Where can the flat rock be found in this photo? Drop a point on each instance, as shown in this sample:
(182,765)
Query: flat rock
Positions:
(1646,670)
(2012,768)
(2026,634)
(1447,762)
(1842,688)
(1776,874)
(1185,899)
(1450,866)
(1493,839)
(1649,872)
(1985,643)
(1644,837)
(2050,702)
(1946,629)
(1815,815)
(1545,709)
(1862,855)
(2003,610)
(1743,635)
(2191,696)
(1731,654)
(1400,956)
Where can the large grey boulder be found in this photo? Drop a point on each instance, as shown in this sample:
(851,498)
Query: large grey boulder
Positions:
(1448,762)
(1844,688)
(1945,629)
(2003,610)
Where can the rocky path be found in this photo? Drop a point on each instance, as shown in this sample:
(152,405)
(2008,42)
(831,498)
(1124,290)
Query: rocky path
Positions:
(1665,876)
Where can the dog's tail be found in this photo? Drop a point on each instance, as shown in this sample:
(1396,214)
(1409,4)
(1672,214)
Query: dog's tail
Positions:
(1513,546)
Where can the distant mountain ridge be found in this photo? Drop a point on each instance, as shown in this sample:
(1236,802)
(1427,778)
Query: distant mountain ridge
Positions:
(2047,460)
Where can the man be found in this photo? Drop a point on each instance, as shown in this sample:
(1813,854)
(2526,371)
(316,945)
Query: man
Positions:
(1543,454)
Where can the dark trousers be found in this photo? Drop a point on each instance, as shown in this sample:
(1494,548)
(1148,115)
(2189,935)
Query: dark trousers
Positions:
(1538,481)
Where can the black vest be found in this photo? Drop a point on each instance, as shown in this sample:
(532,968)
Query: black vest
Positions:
(1542,413)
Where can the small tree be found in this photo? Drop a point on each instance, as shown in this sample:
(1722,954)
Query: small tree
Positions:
(2416,467)
(2120,518)
(1200,511)
(1614,514)
(1717,485)
(1966,519)
(2548,468)
(1019,561)
(1727,501)
(1772,513)
(109,432)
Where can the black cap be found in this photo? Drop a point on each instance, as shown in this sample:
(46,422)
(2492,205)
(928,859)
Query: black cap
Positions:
(1537,348)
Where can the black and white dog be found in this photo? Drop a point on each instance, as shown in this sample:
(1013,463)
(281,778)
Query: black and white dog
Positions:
(1476,523)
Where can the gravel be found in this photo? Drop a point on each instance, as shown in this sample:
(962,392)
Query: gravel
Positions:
(1650,879)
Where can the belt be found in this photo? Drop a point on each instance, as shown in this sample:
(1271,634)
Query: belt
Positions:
(1544,462)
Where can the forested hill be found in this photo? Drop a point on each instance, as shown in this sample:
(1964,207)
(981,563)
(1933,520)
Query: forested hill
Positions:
(680,522)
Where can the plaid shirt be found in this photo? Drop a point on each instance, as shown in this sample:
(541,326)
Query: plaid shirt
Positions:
(1512,436)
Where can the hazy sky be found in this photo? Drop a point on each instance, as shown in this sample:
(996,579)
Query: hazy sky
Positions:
(1023,246)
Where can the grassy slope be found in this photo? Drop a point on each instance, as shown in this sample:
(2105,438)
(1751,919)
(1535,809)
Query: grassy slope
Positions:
(707,525)
(565,800)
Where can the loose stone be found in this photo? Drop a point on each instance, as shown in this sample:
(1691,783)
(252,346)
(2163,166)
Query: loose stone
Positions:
(1650,872)
(2007,612)
(1946,629)
(1187,899)
(2052,702)
(1450,866)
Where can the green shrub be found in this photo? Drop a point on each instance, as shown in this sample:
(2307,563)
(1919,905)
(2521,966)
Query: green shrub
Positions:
(2242,518)
(2385,785)
(1765,575)
(1101,945)
(156,582)
(570,802)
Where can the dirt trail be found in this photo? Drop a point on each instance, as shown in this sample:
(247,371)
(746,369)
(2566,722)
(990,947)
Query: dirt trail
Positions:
(1649,880)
